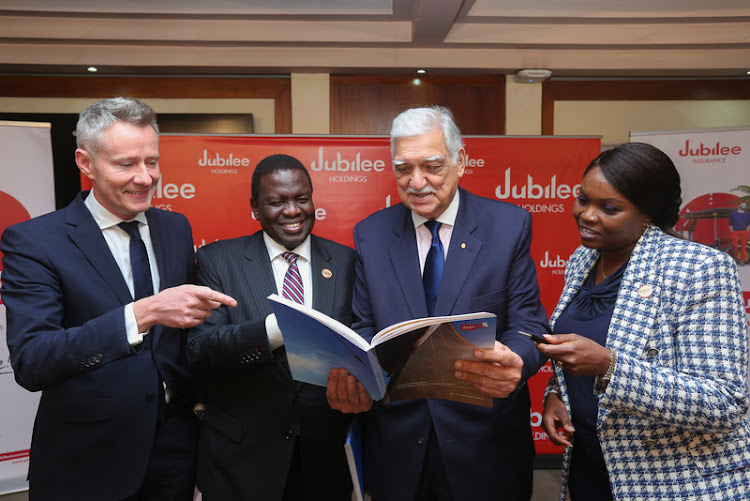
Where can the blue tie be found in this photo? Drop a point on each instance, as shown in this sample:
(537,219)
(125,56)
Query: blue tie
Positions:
(142,283)
(433,267)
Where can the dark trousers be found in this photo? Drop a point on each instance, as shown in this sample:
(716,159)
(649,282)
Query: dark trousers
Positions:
(170,475)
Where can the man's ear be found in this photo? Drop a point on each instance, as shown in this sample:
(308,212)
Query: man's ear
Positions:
(461,163)
(254,206)
(84,163)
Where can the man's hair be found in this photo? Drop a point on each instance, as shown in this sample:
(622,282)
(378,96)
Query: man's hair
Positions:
(418,121)
(94,121)
(275,163)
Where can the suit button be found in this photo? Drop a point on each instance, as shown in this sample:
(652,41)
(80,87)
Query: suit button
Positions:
(652,352)
(149,397)
(420,440)
(299,394)
(289,435)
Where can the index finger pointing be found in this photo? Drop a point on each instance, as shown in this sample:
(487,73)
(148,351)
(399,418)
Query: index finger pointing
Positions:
(208,294)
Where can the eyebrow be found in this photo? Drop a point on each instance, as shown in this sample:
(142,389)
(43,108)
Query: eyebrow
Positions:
(428,159)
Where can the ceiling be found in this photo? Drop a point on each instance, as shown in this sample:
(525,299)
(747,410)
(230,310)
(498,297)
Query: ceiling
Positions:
(572,38)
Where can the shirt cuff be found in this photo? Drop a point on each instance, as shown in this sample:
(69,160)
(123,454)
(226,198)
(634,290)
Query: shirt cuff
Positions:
(274,333)
(131,327)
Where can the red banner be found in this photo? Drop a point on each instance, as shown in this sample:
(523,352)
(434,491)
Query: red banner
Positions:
(207,178)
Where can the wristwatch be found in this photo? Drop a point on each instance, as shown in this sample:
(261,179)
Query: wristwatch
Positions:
(601,382)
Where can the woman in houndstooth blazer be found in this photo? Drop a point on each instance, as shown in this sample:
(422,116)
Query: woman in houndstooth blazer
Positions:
(650,396)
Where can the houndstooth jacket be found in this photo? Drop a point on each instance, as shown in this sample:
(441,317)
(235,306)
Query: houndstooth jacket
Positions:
(672,422)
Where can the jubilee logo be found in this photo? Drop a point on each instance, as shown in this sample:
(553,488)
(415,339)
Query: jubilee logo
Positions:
(556,264)
(532,190)
(217,160)
(703,150)
(337,163)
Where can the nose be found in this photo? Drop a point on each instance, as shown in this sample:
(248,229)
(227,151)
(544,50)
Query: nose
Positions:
(417,181)
(142,176)
(291,208)
(589,214)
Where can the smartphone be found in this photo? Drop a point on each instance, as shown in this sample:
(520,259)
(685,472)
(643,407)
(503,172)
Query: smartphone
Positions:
(534,337)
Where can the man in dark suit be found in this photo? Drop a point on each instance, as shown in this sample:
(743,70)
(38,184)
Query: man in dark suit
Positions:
(115,418)
(436,449)
(266,436)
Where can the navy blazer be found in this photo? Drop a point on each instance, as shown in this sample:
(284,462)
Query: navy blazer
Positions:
(488,452)
(65,299)
(254,409)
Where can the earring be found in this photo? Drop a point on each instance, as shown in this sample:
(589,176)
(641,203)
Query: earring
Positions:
(644,227)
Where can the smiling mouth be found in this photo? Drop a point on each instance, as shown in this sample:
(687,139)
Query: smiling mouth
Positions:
(292,226)
(587,231)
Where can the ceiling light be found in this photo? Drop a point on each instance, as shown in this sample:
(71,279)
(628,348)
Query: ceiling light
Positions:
(532,76)
(92,69)
(421,72)
(417,81)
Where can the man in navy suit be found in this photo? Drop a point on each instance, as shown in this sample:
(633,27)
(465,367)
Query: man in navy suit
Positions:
(267,437)
(431,449)
(115,419)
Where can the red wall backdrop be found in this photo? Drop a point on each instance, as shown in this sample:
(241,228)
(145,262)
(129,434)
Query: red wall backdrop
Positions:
(207,178)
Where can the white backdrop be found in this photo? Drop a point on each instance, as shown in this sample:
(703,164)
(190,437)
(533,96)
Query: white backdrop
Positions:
(714,166)
(26,190)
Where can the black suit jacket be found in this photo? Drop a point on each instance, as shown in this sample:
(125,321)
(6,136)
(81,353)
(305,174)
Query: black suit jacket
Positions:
(65,299)
(254,409)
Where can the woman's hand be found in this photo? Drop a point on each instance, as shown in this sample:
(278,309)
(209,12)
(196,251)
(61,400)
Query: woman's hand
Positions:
(556,421)
(576,355)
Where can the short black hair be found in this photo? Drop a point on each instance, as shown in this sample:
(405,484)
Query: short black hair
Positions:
(275,163)
(647,177)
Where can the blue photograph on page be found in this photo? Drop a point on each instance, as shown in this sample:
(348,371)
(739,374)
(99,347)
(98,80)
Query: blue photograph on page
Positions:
(314,349)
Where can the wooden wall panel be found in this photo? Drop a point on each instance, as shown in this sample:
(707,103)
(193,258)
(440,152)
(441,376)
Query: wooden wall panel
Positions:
(368,104)
(277,88)
(636,90)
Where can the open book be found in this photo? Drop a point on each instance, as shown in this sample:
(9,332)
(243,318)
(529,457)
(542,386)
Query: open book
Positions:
(410,359)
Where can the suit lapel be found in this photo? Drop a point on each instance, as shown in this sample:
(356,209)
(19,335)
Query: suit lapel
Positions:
(86,235)
(324,285)
(405,261)
(462,253)
(639,297)
(256,268)
(159,241)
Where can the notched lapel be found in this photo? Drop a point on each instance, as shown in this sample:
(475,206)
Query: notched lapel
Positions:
(256,268)
(323,288)
(87,236)
(405,261)
(463,250)
(462,254)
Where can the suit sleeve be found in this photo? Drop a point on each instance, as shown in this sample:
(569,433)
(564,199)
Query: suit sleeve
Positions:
(227,341)
(524,308)
(44,350)
(706,387)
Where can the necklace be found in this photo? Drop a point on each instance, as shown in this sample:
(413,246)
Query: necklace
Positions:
(604,277)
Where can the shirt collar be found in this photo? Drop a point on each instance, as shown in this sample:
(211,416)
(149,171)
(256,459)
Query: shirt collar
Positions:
(447,217)
(275,249)
(105,219)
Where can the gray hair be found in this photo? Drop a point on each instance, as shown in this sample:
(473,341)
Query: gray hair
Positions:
(418,121)
(94,121)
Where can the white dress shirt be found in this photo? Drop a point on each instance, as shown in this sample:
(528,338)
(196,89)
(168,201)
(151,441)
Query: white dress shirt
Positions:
(118,241)
(280,266)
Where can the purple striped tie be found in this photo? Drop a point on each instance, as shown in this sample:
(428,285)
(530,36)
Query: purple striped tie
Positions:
(292,288)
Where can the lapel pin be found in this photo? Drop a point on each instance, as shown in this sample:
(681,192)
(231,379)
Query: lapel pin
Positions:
(326,273)
(645,291)
(463,246)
